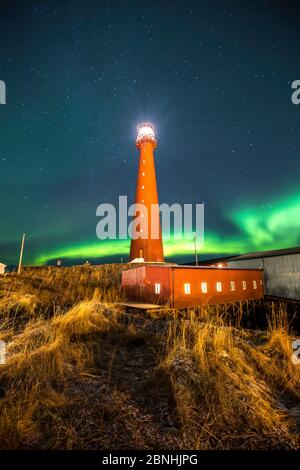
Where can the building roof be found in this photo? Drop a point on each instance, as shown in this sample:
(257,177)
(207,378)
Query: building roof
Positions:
(265,254)
(183,266)
(208,262)
(245,256)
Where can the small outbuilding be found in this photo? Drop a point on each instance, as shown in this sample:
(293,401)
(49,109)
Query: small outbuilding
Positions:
(281,270)
(2,268)
(190,286)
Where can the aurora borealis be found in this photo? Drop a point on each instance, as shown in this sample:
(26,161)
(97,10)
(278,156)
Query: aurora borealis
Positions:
(263,228)
(215,80)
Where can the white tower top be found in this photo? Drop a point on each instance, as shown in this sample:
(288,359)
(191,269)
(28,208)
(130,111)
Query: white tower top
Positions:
(145,133)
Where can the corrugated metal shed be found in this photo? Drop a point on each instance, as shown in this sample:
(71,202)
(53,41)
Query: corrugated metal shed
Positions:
(281,270)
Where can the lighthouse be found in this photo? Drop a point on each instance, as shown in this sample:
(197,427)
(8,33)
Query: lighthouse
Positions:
(158,283)
(147,247)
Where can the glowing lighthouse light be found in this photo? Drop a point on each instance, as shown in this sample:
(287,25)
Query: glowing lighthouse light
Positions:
(145,132)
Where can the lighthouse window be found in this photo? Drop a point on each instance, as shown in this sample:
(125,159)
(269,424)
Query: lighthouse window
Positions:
(219,286)
(232,285)
(143,187)
(143,173)
(204,287)
(157,288)
(244,283)
(254,285)
(187,288)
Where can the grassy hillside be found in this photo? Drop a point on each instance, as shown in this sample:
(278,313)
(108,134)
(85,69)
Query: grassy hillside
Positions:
(83,374)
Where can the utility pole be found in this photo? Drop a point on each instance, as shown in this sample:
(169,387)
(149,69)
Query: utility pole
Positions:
(195,242)
(21,253)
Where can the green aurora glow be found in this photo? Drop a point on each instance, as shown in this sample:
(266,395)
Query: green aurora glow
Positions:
(267,227)
(271,226)
(227,129)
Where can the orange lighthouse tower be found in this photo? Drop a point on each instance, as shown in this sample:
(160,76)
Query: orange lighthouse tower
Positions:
(147,248)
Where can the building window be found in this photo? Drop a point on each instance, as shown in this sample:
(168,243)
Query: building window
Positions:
(219,286)
(244,284)
(260,282)
(157,288)
(143,187)
(232,285)
(204,287)
(187,288)
(254,285)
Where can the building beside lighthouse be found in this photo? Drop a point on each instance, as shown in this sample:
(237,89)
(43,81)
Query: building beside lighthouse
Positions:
(149,279)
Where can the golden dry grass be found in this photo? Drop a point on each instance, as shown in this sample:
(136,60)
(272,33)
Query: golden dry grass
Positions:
(81,373)
(227,388)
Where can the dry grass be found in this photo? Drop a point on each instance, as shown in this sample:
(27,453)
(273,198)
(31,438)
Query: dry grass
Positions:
(49,290)
(227,388)
(82,374)
(43,359)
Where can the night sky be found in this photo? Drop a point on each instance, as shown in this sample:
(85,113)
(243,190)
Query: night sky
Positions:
(214,77)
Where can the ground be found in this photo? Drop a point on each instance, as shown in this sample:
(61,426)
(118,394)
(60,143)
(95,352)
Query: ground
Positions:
(83,373)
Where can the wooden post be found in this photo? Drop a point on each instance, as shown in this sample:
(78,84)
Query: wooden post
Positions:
(21,253)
